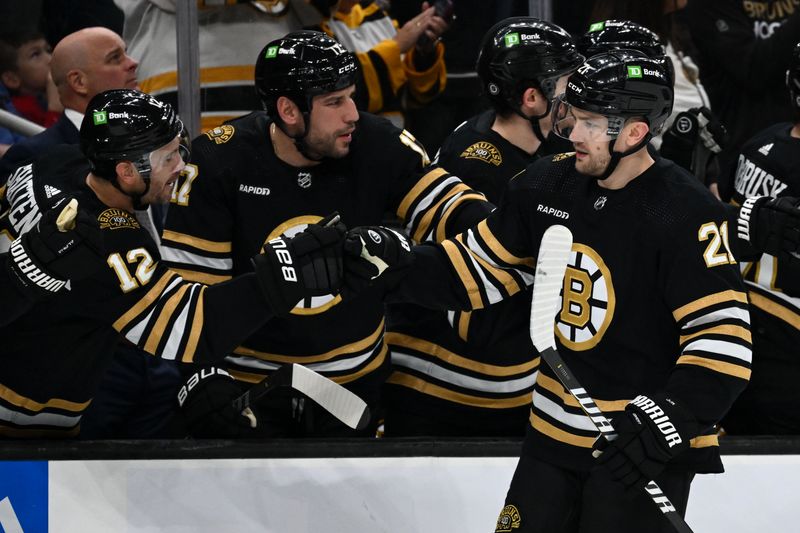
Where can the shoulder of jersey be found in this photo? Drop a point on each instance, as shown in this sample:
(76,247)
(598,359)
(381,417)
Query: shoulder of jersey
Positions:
(550,172)
(234,132)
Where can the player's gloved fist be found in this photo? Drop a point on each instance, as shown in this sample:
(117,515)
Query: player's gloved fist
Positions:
(66,244)
(692,138)
(206,405)
(650,432)
(370,252)
(290,269)
(771,225)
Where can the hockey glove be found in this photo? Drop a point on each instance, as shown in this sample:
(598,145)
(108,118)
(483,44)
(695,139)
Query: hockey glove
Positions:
(695,135)
(651,431)
(372,252)
(206,405)
(66,244)
(290,269)
(771,225)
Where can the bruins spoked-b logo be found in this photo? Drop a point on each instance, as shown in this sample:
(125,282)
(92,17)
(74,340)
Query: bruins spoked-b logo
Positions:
(588,301)
(508,520)
(483,151)
(221,134)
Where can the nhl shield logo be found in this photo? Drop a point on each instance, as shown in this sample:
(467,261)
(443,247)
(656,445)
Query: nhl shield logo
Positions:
(600,203)
(304,180)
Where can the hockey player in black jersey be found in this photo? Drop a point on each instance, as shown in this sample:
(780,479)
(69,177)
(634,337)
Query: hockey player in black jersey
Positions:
(766,184)
(272,173)
(53,355)
(474,374)
(652,305)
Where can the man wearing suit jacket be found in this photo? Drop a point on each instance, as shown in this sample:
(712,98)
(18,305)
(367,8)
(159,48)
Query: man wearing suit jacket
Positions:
(84,63)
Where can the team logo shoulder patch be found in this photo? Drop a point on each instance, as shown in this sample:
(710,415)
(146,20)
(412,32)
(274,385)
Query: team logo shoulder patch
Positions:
(221,134)
(483,151)
(561,157)
(117,219)
(508,520)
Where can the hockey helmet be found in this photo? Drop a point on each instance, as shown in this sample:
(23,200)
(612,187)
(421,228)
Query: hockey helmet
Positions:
(522,52)
(620,35)
(618,85)
(793,78)
(301,65)
(127,125)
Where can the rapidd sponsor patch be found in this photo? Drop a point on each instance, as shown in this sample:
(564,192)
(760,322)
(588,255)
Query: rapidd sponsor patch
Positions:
(508,520)
(483,151)
(221,134)
(116,219)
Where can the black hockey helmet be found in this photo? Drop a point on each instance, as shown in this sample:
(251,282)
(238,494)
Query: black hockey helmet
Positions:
(301,65)
(521,52)
(126,125)
(611,35)
(793,79)
(622,84)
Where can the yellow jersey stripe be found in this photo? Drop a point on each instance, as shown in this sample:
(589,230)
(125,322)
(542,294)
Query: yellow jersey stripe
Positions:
(721,329)
(465,276)
(425,387)
(441,225)
(413,343)
(553,386)
(559,434)
(196,242)
(353,347)
(775,309)
(499,250)
(413,195)
(201,277)
(151,346)
(151,296)
(197,327)
(707,301)
(19,400)
(717,366)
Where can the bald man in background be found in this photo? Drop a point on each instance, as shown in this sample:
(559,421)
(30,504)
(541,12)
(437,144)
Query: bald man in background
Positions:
(84,63)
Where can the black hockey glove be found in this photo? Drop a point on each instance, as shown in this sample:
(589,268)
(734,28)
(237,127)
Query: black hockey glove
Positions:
(66,244)
(651,431)
(290,269)
(694,137)
(771,225)
(372,252)
(206,406)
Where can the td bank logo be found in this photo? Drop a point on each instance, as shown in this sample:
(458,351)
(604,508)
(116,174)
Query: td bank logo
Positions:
(99,117)
(511,39)
(597,26)
(272,51)
(634,71)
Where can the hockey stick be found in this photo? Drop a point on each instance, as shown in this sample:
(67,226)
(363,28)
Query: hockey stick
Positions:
(332,397)
(554,253)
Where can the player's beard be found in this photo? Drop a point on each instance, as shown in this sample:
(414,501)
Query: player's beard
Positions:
(160,194)
(331,146)
(594,163)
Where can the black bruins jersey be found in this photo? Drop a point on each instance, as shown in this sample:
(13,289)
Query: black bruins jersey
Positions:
(768,166)
(652,300)
(471,371)
(53,356)
(238,194)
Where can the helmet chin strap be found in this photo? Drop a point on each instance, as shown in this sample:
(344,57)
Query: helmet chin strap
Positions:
(616,157)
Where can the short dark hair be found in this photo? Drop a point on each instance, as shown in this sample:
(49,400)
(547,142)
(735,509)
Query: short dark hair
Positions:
(10,42)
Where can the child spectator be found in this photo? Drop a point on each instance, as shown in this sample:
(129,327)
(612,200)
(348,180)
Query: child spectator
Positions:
(25,71)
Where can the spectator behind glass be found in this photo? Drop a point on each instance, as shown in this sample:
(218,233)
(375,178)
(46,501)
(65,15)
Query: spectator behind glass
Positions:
(25,70)
(84,63)
(401,66)
(744,51)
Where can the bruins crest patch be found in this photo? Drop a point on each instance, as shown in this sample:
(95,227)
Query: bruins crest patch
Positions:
(561,157)
(221,134)
(508,520)
(117,218)
(483,151)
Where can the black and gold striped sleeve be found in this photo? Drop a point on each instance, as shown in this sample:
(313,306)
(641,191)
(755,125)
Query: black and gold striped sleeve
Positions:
(190,322)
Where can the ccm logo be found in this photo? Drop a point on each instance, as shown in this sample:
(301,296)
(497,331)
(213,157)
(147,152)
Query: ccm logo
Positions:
(547,210)
(285,258)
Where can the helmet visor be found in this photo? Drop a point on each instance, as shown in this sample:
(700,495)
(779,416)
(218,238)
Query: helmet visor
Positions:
(577,125)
